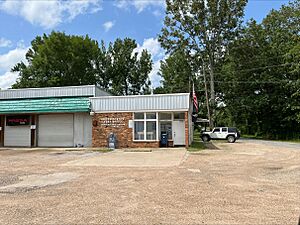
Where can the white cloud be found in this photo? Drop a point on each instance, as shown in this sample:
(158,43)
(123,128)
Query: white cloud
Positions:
(5,43)
(154,77)
(12,57)
(139,5)
(108,25)
(8,79)
(7,61)
(158,54)
(49,14)
(153,46)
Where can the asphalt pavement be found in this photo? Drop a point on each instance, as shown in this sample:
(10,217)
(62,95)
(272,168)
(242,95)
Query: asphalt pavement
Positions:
(282,144)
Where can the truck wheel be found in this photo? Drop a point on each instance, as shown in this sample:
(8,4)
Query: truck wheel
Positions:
(231,139)
(205,138)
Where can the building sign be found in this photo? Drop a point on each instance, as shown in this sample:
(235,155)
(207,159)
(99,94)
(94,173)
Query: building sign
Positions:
(112,122)
(17,120)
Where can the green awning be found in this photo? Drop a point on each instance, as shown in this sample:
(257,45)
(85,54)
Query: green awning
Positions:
(46,105)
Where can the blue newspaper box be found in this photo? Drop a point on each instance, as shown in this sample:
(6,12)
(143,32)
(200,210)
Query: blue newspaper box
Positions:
(164,140)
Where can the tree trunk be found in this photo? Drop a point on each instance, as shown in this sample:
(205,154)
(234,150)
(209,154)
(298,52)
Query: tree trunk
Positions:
(207,102)
(212,90)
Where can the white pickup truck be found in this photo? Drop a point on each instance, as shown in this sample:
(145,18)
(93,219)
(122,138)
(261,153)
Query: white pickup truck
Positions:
(221,133)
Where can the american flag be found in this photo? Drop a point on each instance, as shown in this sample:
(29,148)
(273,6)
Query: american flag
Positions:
(195,100)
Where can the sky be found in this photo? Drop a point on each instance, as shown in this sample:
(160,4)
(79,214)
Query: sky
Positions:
(22,20)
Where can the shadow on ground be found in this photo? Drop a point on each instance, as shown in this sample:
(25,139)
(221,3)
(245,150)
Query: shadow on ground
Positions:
(210,145)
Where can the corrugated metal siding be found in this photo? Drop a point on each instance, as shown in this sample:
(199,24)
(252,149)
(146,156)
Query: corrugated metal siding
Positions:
(72,91)
(56,130)
(82,129)
(45,105)
(17,136)
(170,102)
(100,92)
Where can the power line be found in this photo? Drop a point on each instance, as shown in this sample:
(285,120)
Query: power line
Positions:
(255,82)
(264,67)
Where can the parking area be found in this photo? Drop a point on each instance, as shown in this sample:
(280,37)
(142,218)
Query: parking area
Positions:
(248,182)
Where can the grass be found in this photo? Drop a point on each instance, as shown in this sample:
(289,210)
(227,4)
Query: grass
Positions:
(251,136)
(102,150)
(197,144)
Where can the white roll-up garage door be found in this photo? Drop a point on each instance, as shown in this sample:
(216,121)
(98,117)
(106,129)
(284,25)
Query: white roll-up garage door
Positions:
(17,136)
(55,130)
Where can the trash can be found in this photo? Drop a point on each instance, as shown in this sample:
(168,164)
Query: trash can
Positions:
(112,141)
(164,140)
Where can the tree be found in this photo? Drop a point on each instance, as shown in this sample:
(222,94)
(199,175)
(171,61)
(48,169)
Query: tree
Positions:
(176,72)
(63,60)
(102,68)
(204,28)
(58,60)
(260,76)
(128,70)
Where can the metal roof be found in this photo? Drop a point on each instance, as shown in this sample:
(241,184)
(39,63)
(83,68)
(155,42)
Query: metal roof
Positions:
(161,102)
(45,105)
(48,92)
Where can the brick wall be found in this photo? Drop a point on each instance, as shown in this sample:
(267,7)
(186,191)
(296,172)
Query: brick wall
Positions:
(117,123)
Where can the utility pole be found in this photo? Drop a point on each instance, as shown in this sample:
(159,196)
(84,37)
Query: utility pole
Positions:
(206,96)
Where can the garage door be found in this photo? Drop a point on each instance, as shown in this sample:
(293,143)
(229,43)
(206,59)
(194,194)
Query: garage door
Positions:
(55,130)
(17,136)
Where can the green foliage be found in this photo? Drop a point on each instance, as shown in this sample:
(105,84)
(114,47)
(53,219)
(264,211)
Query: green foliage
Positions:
(64,60)
(58,60)
(261,77)
(128,71)
(203,29)
(177,74)
(202,26)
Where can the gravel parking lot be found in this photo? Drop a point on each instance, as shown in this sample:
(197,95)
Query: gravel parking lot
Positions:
(249,182)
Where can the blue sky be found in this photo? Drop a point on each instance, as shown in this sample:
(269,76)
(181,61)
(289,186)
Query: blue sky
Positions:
(21,21)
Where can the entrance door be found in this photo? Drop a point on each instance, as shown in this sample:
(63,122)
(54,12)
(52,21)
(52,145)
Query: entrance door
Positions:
(178,132)
(56,130)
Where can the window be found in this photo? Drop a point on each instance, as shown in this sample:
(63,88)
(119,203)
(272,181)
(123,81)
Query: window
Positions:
(216,130)
(150,116)
(165,116)
(150,130)
(224,129)
(179,116)
(232,130)
(138,116)
(139,130)
(145,126)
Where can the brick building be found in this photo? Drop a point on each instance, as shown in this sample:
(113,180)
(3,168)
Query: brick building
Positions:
(139,121)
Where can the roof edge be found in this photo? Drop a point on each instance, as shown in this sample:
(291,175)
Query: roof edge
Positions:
(39,88)
(136,96)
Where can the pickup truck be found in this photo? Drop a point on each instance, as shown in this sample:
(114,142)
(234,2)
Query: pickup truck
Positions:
(221,133)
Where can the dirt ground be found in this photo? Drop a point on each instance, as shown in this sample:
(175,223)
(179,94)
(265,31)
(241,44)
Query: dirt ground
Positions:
(249,182)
